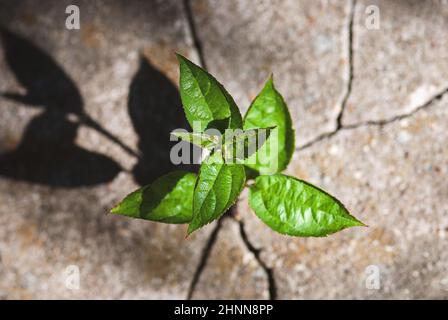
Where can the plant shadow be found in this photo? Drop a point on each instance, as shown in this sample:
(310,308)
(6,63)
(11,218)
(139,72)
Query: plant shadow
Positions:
(47,153)
(155,109)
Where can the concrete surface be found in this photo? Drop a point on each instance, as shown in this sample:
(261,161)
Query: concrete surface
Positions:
(370,110)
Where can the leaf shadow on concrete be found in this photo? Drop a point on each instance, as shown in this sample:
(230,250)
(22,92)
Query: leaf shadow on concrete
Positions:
(69,206)
(47,153)
(155,109)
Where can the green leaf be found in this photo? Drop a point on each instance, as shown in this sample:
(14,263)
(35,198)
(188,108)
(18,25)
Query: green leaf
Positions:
(296,208)
(217,189)
(268,110)
(168,199)
(239,144)
(205,100)
(202,140)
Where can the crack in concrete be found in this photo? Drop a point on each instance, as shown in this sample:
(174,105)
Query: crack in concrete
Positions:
(380,123)
(197,43)
(349,81)
(272,286)
(319,138)
(349,71)
(348,89)
(204,258)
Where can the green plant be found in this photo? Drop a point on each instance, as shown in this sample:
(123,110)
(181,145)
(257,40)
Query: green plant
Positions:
(286,204)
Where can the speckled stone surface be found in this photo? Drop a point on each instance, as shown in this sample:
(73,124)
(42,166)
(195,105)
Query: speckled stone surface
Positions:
(303,43)
(393,179)
(49,230)
(232,271)
(402,64)
(59,174)
(113,64)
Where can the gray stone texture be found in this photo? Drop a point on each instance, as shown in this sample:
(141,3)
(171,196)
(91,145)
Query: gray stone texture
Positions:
(232,271)
(303,43)
(393,179)
(45,228)
(403,64)
(387,159)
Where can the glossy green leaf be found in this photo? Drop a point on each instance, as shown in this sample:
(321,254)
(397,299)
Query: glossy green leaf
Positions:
(296,208)
(205,100)
(202,140)
(168,199)
(217,189)
(267,110)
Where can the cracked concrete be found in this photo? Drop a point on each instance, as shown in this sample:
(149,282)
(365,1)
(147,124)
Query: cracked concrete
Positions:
(290,288)
(382,122)
(244,43)
(406,237)
(232,271)
(44,228)
(349,66)
(272,285)
(205,256)
(405,61)
(370,113)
